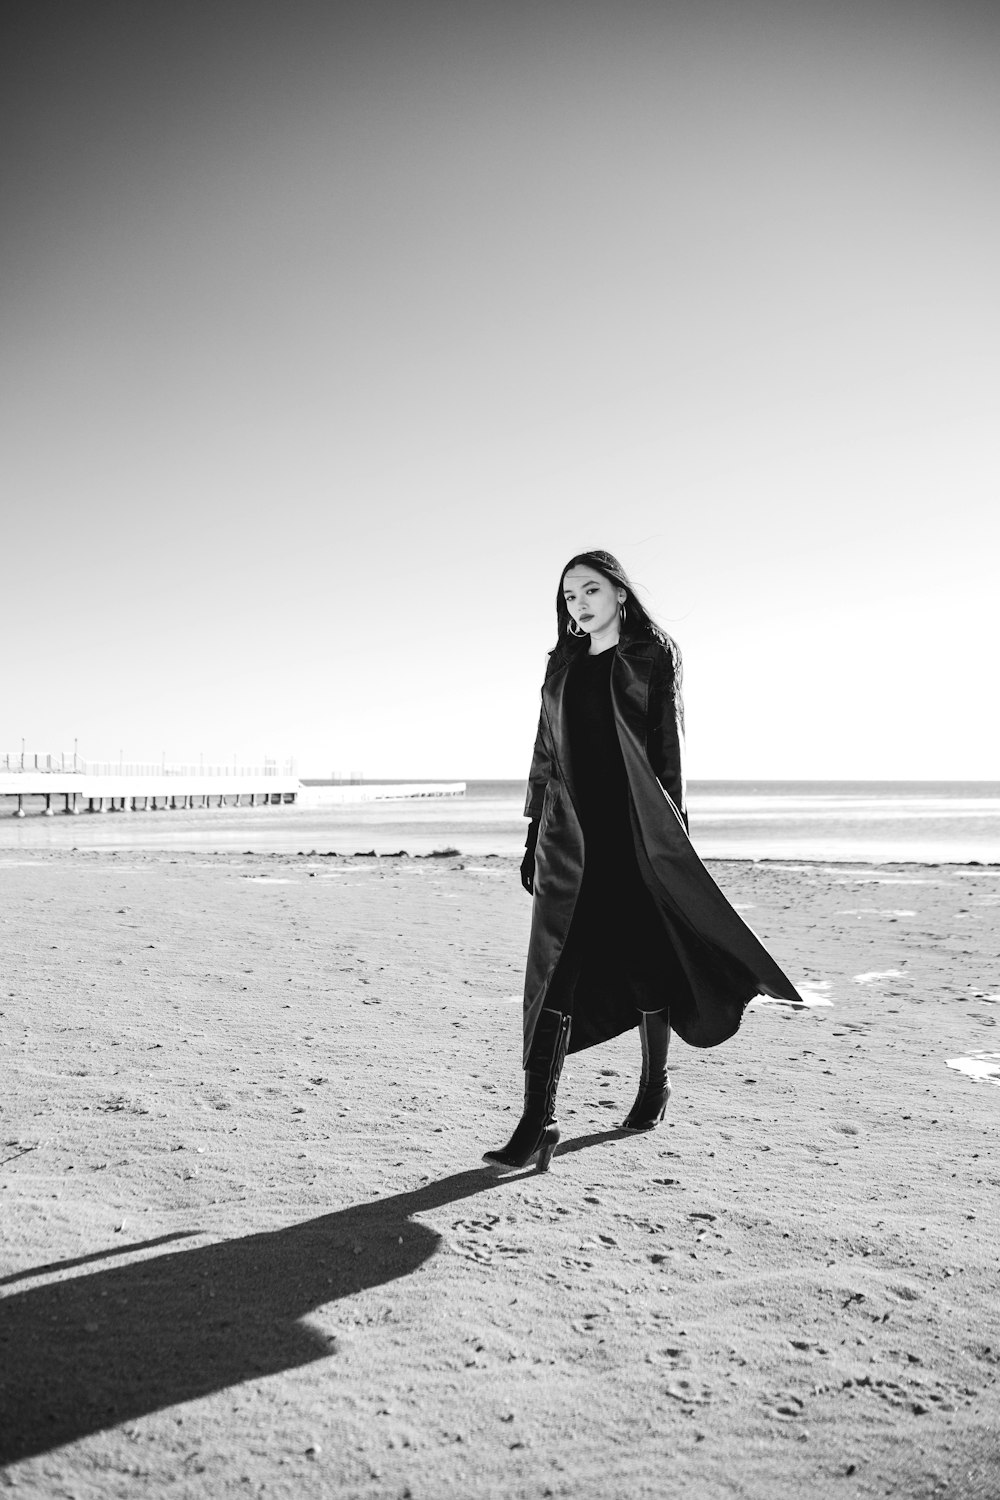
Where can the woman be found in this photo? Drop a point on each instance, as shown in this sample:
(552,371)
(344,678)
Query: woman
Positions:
(628,928)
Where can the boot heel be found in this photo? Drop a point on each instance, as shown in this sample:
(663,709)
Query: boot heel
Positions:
(545,1155)
(515,1155)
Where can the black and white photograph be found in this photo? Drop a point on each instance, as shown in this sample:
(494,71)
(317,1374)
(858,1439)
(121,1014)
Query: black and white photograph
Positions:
(499,749)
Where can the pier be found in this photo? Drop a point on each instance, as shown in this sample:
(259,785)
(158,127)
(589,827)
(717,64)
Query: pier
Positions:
(75,793)
(66,784)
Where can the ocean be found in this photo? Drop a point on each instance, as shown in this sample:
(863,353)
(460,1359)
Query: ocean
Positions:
(928,822)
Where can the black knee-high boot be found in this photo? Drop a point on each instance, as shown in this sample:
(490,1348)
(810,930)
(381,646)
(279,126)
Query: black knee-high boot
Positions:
(537,1132)
(654,1086)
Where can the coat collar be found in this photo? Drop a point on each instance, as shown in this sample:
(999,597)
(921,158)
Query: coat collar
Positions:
(632,646)
(637,645)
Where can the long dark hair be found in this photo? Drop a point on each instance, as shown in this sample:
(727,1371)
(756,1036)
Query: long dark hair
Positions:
(639,623)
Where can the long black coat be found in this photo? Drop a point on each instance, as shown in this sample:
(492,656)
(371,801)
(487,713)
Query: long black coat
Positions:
(722,963)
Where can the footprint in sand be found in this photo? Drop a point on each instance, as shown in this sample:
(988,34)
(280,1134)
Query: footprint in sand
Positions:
(688,1392)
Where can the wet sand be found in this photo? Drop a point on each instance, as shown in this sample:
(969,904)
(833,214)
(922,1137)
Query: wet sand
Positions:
(249,1247)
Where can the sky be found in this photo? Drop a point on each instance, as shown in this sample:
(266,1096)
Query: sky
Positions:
(329,332)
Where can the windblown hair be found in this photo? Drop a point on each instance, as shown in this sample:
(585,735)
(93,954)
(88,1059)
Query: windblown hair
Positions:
(639,623)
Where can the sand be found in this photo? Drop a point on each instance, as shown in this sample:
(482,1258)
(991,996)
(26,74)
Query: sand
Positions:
(249,1247)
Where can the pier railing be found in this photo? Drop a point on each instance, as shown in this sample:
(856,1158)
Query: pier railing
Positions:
(69,763)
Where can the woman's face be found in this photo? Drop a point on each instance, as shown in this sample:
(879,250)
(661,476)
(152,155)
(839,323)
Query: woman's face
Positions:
(592,599)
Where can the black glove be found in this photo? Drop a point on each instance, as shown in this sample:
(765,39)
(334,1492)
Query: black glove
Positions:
(528,862)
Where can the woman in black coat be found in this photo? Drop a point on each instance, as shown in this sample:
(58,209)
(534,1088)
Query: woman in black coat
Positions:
(628,929)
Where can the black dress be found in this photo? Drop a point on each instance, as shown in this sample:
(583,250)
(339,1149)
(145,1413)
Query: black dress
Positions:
(615,931)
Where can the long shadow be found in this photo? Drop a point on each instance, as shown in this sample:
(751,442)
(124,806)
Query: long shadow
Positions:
(84,1354)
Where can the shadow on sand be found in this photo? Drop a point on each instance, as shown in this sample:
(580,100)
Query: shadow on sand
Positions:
(86,1353)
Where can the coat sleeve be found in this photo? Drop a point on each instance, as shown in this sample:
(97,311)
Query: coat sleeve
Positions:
(665,743)
(541,769)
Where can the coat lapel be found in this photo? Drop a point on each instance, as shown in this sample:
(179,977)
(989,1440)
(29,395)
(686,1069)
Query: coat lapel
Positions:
(631,673)
(553,700)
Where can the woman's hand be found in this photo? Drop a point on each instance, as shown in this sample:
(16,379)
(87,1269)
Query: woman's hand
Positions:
(528,862)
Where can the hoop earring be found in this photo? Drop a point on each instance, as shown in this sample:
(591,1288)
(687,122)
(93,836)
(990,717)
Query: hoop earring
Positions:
(579,634)
(623,612)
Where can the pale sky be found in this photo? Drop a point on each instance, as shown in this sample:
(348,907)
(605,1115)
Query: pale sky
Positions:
(329,332)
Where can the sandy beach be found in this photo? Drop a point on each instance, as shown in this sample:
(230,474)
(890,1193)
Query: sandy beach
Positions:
(249,1247)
